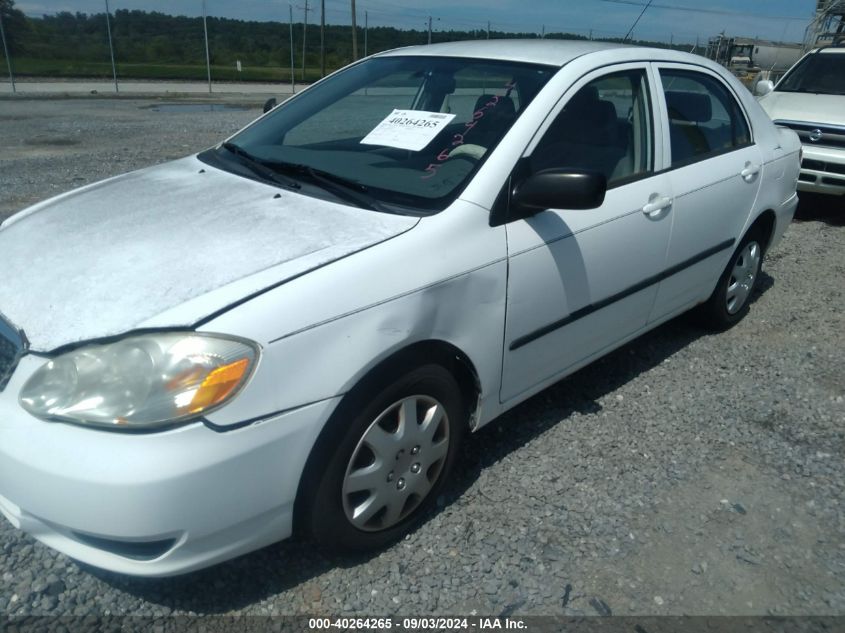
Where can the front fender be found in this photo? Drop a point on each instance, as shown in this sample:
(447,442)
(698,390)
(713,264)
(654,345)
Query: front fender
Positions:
(322,333)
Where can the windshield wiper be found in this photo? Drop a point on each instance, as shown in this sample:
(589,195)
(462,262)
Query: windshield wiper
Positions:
(259,167)
(342,187)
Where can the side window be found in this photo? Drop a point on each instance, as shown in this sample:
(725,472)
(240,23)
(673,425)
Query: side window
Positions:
(704,118)
(606,126)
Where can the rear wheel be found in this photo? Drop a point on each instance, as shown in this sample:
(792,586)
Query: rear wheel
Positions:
(730,300)
(383,468)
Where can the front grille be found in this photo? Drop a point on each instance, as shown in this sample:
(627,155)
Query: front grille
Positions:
(817,134)
(820,165)
(12,347)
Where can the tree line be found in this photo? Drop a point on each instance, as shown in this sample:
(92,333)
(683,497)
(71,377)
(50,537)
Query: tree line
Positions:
(153,38)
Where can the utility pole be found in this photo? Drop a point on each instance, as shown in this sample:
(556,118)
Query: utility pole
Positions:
(488,29)
(366,29)
(543,32)
(322,38)
(6,52)
(429,28)
(354,34)
(207,54)
(111,47)
(304,29)
(591,35)
(292,75)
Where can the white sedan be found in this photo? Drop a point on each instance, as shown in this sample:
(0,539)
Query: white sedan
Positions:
(294,330)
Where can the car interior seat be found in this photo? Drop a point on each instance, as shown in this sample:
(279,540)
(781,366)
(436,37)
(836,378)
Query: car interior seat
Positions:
(495,121)
(586,135)
(687,111)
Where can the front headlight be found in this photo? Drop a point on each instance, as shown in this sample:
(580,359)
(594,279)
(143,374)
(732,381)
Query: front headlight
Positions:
(142,381)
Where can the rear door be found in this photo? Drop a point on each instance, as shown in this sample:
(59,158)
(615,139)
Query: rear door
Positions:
(714,167)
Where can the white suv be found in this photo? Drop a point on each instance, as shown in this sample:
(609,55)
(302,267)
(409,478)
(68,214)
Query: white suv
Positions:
(810,99)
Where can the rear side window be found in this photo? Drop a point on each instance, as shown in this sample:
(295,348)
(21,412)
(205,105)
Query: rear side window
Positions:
(704,117)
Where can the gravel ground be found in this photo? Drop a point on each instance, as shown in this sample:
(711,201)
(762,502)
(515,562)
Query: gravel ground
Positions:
(683,474)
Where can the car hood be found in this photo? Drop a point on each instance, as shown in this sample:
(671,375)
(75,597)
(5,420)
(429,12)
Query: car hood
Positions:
(799,106)
(166,246)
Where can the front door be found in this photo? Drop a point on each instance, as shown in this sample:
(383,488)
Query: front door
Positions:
(580,281)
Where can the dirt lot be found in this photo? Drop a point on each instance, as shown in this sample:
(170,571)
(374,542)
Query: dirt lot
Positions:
(683,474)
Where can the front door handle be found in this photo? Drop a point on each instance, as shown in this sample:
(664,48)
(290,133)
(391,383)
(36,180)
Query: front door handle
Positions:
(657,206)
(750,172)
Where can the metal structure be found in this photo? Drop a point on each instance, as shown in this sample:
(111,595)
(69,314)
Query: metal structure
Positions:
(828,26)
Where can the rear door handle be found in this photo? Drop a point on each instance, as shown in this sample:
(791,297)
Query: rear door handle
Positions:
(657,206)
(750,172)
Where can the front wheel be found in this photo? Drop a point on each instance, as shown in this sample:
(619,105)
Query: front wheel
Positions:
(387,463)
(730,300)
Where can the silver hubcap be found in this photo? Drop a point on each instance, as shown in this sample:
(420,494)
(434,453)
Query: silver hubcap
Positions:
(743,276)
(396,463)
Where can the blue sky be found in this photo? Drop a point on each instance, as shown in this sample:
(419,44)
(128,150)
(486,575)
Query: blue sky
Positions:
(684,20)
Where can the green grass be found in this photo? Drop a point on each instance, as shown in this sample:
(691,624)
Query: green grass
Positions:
(29,67)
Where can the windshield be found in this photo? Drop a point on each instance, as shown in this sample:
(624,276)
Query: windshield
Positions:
(406,131)
(822,73)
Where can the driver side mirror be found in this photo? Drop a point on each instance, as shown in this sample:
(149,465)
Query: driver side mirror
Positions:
(557,189)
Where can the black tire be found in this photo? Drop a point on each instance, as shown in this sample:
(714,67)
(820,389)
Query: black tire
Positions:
(324,505)
(718,313)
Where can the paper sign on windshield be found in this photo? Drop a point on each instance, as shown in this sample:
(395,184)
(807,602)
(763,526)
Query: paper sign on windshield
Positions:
(408,129)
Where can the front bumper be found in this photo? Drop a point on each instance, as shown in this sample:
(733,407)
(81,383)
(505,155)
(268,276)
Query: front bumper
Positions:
(822,170)
(153,504)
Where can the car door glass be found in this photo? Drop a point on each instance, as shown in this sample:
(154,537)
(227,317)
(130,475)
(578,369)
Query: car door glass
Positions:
(606,127)
(704,118)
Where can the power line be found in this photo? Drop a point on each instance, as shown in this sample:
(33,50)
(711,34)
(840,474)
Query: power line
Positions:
(637,21)
(668,7)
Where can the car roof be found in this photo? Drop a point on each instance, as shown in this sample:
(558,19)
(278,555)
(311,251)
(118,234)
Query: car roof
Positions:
(536,51)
